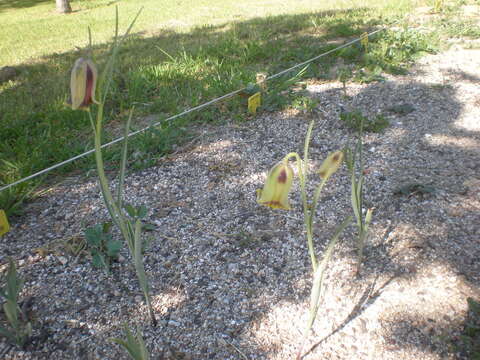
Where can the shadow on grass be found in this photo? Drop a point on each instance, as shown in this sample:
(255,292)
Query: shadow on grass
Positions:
(19,4)
(162,74)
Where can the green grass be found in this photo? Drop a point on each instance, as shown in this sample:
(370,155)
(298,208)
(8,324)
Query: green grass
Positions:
(32,29)
(169,65)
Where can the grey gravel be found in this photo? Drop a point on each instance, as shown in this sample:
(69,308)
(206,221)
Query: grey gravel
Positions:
(231,280)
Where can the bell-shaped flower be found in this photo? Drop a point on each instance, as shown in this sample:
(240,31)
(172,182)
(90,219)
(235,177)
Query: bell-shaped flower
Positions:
(277,186)
(83,82)
(331,164)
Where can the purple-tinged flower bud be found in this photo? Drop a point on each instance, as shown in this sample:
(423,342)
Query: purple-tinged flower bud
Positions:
(83,82)
(331,164)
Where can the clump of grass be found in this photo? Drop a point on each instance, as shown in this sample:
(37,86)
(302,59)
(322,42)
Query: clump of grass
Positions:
(305,103)
(356,121)
(394,50)
(459,27)
(18,329)
(11,199)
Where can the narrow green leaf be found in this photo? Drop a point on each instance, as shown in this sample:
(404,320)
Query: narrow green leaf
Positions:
(360,193)
(149,227)
(306,148)
(138,257)
(143,348)
(14,283)
(123,163)
(319,273)
(134,345)
(368,219)
(354,199)
(11,312)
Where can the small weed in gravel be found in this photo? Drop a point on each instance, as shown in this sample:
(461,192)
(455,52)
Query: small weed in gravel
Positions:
(18,329)
(101,246)
(356,121)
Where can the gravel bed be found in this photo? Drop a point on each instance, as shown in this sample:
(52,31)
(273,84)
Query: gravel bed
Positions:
(231,280)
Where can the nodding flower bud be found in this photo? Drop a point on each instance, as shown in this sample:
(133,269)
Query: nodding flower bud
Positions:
(331,164)
(277,186)
(83,81)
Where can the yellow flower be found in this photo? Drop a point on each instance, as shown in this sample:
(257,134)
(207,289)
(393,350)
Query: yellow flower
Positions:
(83,81)
(277,186)
(331,164)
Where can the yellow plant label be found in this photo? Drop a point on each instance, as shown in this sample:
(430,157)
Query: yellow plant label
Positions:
(4,226)
(364,40)
(254,102)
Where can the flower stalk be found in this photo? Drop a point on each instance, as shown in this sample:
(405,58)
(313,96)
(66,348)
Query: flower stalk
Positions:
(83,90)
(277,190)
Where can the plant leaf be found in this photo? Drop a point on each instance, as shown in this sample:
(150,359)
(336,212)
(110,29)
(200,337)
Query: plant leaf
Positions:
(106,227)
(319,273)
(149,227)
(123,162)
(11,311)
(130,210)
(98,260)
(93,235)
(134,345)
(113,248)
(141,211)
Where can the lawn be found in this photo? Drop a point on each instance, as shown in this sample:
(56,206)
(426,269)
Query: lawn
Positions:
(181,54)
(32,30)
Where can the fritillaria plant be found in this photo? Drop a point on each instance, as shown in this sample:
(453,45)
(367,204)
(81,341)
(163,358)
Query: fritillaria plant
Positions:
(275,195)
(84,93)
(354,162)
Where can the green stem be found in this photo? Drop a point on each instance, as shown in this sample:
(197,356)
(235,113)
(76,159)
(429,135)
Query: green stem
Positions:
(307,218)
(140,269)
(115,212)
(361,242)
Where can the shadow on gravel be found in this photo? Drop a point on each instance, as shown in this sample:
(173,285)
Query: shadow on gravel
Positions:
(367,298)
(460,337)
